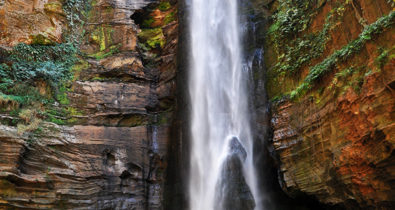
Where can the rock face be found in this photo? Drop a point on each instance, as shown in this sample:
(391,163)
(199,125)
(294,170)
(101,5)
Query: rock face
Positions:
(336,142)
(113,154)
(233,191)
(29,21)
(83,167)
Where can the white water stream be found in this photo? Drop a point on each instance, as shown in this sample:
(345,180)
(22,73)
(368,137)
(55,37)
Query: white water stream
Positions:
(219,99)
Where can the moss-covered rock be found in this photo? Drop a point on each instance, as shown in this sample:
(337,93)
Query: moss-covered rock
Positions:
(154,38)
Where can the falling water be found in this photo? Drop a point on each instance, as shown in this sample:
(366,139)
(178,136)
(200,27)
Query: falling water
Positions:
(219,106)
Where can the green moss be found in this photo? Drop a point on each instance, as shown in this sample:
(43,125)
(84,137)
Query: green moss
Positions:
(56,116)
(278,98)
(164,6)
(21,95)
(44,66)
(63,116)
(154,38)
(293,47)
(106,53)
(78,68)
(41,40)
(73,113)
(353,77)
(53,7)
(169,18)
(102,35)
(147,22)
(62,97)
(98,78)
(55,120)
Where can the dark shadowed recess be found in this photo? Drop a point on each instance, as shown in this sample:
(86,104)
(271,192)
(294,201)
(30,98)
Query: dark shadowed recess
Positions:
(176,183)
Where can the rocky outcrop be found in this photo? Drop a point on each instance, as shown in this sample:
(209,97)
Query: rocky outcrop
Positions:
(31,21)
(233,191)
(112,151)
(335,142)
(83,167)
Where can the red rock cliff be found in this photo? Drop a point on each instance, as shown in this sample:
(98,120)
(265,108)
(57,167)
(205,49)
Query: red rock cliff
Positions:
(331,78)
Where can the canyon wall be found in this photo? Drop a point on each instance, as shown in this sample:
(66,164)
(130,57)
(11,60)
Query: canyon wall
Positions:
(109,130)
(99,138)
(331,79)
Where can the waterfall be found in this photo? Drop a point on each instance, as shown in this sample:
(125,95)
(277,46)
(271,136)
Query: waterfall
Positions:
(222,174)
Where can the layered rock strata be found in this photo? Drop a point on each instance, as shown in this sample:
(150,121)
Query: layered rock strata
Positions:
(336,142)
(113,154)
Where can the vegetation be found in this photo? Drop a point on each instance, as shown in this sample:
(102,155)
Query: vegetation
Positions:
(29,64)
(102,36)
(164,6)
(34,78)
(321,69)
(76,11)
(384,56)
(151,35)
(292,19)
(169,18)
(30,121)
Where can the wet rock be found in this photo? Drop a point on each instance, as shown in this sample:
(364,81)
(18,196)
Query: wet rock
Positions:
(232,190)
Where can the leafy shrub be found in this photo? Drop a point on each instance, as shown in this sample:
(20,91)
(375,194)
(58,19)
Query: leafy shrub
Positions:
(32,63)
(46,65)
(291,18)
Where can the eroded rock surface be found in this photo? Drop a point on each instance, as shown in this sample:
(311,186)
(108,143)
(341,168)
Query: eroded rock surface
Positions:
(113,154)
(336,143)
(31,21)
(82,167)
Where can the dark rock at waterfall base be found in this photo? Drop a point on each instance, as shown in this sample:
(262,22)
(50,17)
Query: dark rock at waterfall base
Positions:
(232,191)
(235,148)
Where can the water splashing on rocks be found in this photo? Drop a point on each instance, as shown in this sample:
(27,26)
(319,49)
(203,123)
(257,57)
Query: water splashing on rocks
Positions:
(222,172)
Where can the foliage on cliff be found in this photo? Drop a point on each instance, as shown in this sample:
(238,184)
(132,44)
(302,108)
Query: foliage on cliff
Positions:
(152,21)
(318,71)
(298,43)
(331,82)
(33,78)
